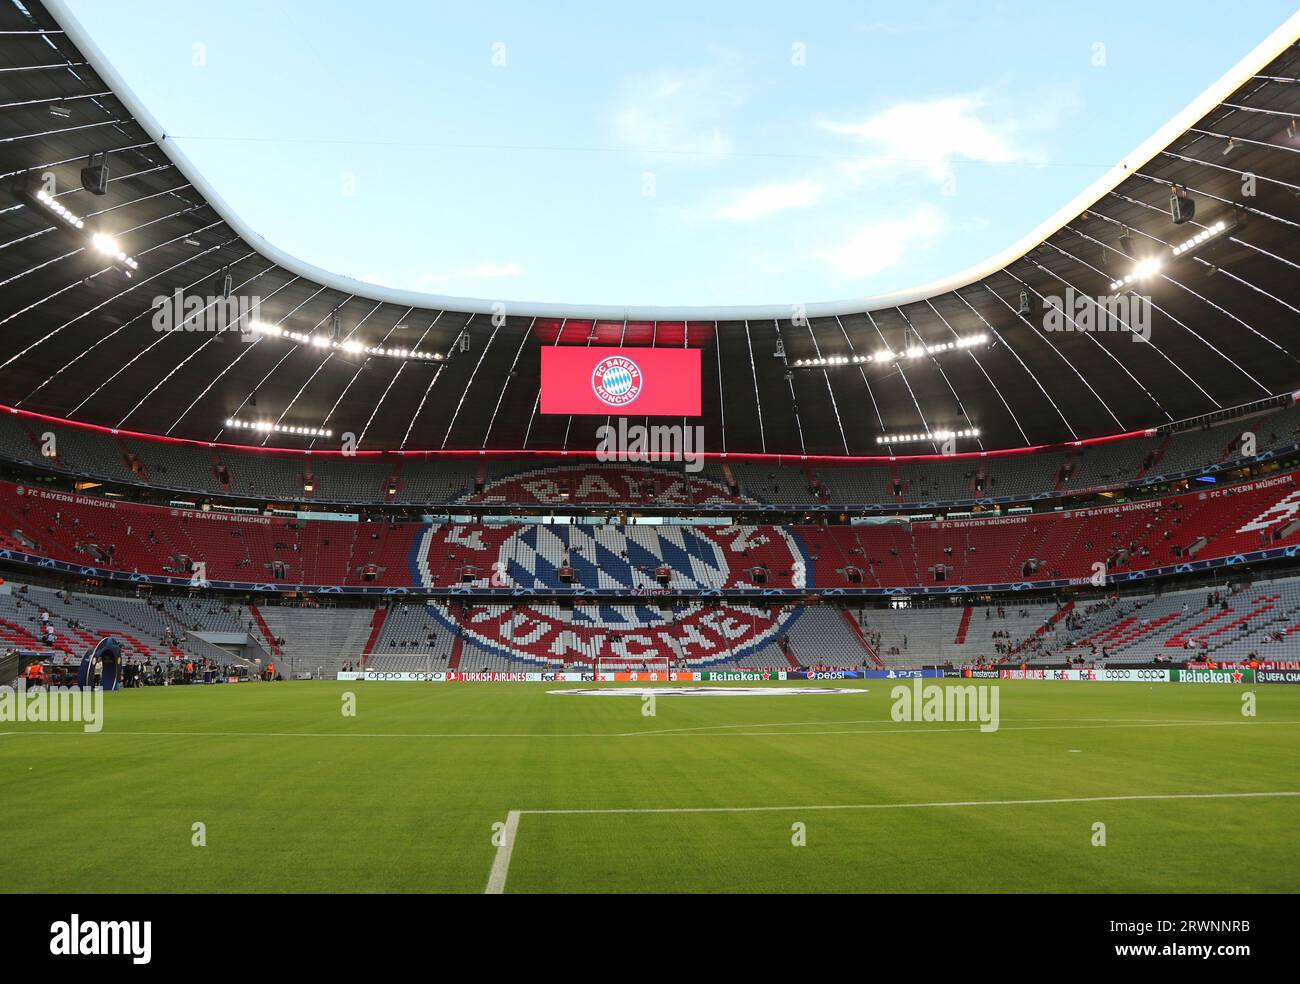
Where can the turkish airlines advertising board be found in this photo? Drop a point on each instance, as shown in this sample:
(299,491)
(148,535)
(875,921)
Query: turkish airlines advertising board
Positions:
(641,382)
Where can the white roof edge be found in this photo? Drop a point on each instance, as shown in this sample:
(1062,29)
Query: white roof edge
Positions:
(1263,53)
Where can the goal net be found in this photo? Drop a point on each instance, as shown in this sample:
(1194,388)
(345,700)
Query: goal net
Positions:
(642,667)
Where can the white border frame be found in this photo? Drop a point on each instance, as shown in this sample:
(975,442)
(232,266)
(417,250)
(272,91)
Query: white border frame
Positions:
(1234,78)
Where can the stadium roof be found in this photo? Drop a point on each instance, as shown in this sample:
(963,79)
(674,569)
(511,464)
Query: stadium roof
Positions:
(79,336)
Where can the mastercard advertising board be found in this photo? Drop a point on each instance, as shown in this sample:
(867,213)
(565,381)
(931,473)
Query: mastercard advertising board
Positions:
(642,382)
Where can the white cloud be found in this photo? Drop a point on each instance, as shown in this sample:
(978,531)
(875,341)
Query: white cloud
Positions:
(886,243)
(679,115)
(908,141)
(763,200)
(930,136)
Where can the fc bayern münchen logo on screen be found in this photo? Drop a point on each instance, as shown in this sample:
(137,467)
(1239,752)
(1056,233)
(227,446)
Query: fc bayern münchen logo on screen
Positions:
(616,381)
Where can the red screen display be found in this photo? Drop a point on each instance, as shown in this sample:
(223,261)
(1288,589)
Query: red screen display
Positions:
(637,382)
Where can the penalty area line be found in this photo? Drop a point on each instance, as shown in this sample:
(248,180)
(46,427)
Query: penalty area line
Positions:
(501,863)
(915,806)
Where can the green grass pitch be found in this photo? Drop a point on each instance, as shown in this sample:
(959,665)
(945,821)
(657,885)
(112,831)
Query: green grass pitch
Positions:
(402,797)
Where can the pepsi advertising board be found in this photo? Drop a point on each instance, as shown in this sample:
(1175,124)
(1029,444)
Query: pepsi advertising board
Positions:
(641,382)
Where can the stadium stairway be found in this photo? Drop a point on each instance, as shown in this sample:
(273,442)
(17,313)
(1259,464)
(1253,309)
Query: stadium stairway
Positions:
(1060,613)
(319,640)
(1149,464)
(265,629)
(862,637)
(376,627)
(964,627)
(1261,618)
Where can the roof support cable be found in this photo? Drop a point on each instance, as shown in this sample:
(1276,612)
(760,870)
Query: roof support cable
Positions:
(43,68)
(722,403)
(401,364)
(1218,167)
(253,392)
(1204,194)
(295,348)
(211,337)
(1091,335)
(1224,271)
(980,366)
(234,362)
(123,232)
(427,389)
(794,402)
(506,385)
(901,373)
(1250,328)
(1074,435)
(1059,354)
(54,99)
(1236,106)
(72,191)
(758,401)
(63,130)
(1154,307)
(360,368)
(470,382)
(938,365)
(559,333)
(1244,140)
(82,248)
(47,165)
(331,317)
(862,371)
(134,285)
(826,377)
(433,382)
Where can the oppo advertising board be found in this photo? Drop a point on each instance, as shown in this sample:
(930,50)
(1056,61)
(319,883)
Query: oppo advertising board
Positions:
(1133,676)
(397,676)
(1104,676)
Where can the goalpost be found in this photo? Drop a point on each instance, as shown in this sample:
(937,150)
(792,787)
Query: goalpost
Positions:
(643,668)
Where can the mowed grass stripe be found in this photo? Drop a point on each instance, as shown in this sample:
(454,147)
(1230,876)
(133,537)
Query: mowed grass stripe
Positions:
(392,813)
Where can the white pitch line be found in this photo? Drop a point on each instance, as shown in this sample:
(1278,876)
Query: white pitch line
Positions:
(902,729)
(914,806)
(751,724)
(905,730)
(501,863)
(804,724)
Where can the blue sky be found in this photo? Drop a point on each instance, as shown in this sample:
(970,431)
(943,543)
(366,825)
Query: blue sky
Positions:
(665,153)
